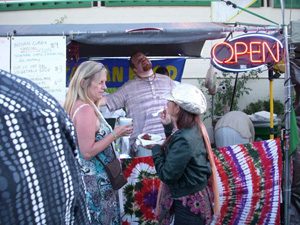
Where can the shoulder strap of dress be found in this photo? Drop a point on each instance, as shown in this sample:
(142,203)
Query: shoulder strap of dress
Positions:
(77,109)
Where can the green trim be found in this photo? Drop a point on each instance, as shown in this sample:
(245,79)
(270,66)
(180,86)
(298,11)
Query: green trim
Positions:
(157,2)
(287,3)
(15,6)
(27,5)
(256,4)
(165,3)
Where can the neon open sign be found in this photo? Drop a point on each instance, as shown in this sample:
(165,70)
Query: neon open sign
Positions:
(246,52)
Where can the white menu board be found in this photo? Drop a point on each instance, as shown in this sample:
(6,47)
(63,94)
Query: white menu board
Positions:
(42,59)
(5,53)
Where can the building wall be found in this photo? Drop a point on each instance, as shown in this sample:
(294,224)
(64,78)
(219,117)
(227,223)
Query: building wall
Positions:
(139,14)
(195,69)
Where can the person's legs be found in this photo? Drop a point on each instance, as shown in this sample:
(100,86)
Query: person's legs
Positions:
(183,216)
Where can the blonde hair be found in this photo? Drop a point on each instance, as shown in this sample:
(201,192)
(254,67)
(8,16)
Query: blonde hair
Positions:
(76,91)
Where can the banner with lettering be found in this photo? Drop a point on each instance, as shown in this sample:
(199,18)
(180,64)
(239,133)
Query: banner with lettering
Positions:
(119,71)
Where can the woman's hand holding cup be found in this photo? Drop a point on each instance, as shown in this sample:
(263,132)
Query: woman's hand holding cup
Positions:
(124,130)
(125,127)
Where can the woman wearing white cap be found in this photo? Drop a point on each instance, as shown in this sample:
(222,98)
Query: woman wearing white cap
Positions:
(184,162)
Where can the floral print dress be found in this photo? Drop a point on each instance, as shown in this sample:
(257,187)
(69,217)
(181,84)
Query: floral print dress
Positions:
(199,203)
(102,200)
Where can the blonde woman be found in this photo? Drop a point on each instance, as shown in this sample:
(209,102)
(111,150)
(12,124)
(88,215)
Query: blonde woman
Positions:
(95,138)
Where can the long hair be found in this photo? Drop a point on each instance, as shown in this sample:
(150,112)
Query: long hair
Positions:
(76,91)
(185,119)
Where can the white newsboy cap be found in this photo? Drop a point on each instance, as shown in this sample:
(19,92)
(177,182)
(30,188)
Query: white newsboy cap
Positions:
(188,97)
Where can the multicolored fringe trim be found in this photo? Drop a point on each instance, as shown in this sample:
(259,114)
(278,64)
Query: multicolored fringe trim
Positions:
(249,178)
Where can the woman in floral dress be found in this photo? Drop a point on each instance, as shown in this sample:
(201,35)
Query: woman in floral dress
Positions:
(95,138)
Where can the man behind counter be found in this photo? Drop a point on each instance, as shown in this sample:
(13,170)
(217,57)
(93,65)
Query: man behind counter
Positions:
(141,97)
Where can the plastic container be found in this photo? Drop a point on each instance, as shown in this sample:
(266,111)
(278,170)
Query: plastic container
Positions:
(261,123)
(263,132)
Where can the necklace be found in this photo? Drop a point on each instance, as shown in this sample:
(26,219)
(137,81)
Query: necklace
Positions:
(149,79)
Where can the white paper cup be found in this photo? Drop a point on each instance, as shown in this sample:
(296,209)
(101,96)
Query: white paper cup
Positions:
(125,120)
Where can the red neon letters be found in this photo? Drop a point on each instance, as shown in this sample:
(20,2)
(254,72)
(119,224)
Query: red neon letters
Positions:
(246,52)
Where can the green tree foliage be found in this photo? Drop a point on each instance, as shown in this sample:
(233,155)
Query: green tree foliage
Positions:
(222,99)
(264,105)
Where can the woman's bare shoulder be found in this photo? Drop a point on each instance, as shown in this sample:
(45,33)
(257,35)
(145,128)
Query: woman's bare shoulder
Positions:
(82,109)
(86,108)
